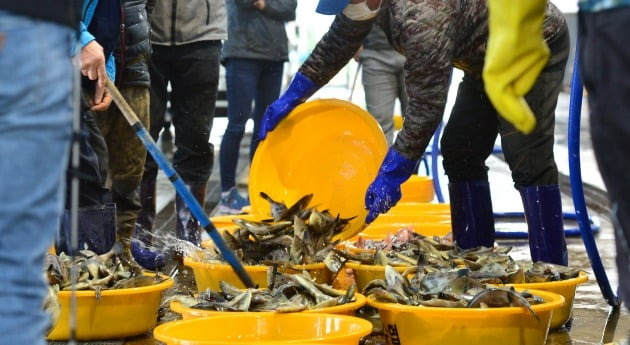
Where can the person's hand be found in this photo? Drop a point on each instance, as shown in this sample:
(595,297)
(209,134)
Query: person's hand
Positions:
(299,90)
(259,4)
(516,55)
(92,65)
(105,102)
(384,192)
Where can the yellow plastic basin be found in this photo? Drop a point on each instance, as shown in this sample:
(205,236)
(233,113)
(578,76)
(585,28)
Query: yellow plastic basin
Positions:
(344,309)
(226,221)
(209,275)
(410,325)
(364,274)
(417,189)
(439,226)
(265,328)
(331,148)
(566,288)
(120,313)
(420,208)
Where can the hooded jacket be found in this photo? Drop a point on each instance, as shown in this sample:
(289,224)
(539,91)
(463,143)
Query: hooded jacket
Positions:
(178,22)
(256,34)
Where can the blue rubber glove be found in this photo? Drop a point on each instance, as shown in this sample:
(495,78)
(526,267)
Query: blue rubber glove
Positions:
(384,192)
(300,89)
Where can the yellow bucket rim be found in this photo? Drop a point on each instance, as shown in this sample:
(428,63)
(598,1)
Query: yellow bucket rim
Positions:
(580,279)
(375,268)
(163,285)
(360,301)
(552,301)
(253,268)
(365,327)
(229,218)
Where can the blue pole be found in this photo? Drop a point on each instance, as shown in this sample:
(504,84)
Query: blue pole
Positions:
(181,189)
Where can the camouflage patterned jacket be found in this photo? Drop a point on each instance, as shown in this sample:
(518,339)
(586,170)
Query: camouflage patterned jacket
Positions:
(434,35)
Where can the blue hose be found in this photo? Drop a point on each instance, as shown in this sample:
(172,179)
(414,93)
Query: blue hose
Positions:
(594,225)
(435,152)
(577,191)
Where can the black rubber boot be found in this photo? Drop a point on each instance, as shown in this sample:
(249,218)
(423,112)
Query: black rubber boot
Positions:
(187,227)
(97,229)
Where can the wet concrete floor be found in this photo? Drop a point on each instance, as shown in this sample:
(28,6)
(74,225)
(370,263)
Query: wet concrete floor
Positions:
(593,322)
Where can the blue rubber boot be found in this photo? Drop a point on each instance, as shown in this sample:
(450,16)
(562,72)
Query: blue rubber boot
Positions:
(471,214)
(543,211)
(145,226)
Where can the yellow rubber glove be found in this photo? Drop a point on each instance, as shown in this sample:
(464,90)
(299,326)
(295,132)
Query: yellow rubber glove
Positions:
(516,54)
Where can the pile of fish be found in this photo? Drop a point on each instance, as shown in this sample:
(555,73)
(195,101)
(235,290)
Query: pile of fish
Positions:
(295,235)
(96,272)
(286,293)
(487,265)
(453,288)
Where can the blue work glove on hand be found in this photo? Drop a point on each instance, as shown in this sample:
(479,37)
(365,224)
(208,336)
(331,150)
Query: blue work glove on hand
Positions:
(301,88)
(384,192)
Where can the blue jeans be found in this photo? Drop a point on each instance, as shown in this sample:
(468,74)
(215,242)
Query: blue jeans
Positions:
(35,129)
(247,80)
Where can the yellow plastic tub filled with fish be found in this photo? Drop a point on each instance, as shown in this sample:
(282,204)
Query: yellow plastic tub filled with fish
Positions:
(565,284)
(294,238)
(411,325)
(112,299)
(266,329)
(289,293)
(364,274)
(344,309)
(116,314)
(210,275)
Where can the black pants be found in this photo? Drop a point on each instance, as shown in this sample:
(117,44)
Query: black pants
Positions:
(605,68)
(93,161)
(193,71)
(472,128)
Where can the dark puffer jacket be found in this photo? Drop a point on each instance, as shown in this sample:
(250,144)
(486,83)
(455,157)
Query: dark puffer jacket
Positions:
(434,36)
(135,44)
(255,34)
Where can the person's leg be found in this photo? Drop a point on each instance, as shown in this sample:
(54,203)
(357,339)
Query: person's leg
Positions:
(269,84)
(195,84)
(381,91)
(126,158)
(242,82)
(466,144)
(159,70)
(36,81)
(606,71)
(531,160)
